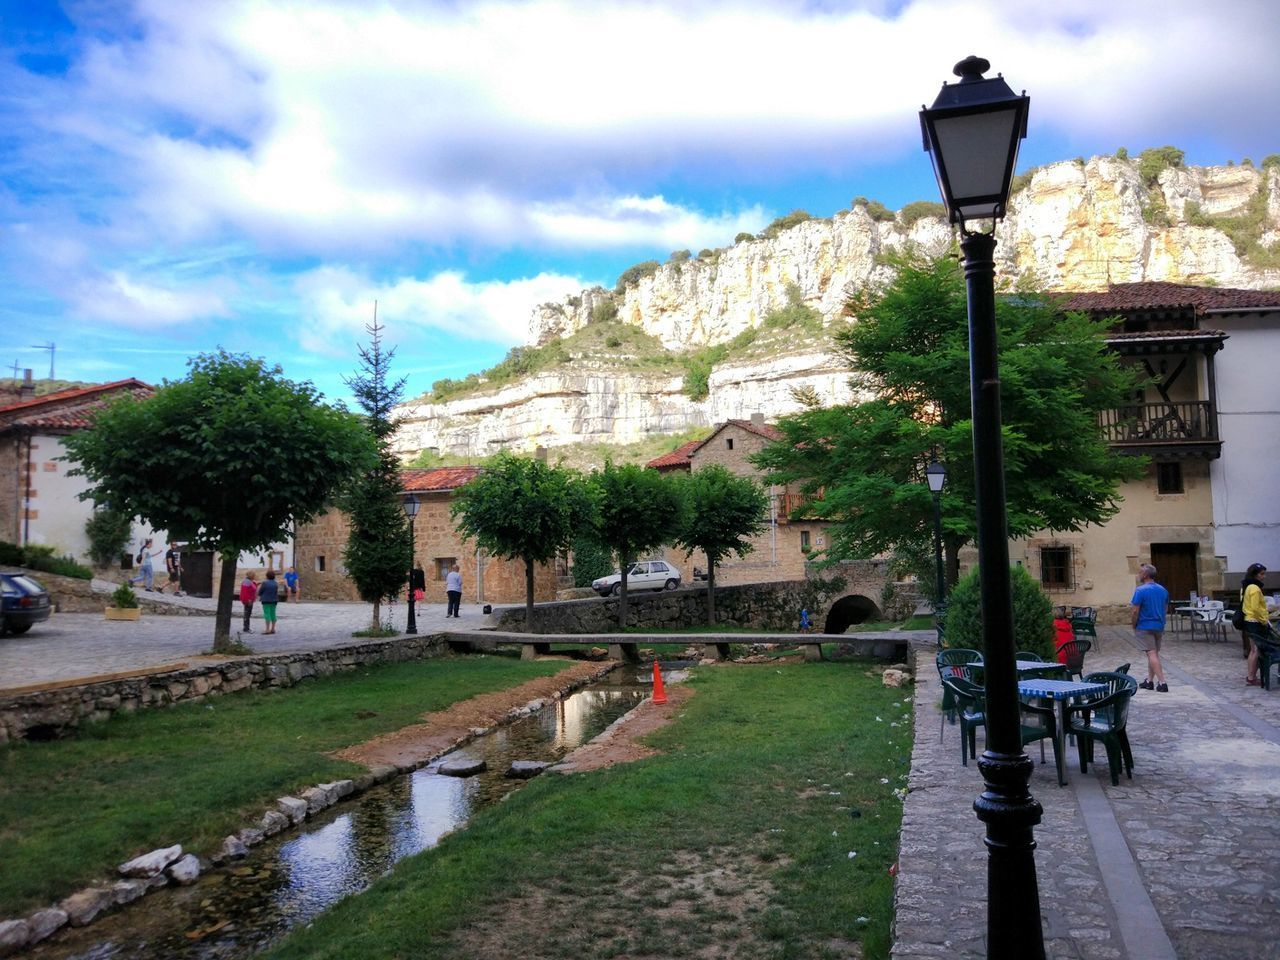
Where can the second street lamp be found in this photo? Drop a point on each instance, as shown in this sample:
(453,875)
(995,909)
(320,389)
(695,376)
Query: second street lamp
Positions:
(936,474)
(972,133)
(410,504)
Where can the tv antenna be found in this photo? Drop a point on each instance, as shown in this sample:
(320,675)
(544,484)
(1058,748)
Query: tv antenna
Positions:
(51,347)
(16,368)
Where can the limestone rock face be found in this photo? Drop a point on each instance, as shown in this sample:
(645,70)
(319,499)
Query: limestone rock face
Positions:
(1076,226)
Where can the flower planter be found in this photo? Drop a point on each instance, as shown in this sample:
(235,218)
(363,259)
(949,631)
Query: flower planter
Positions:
(123,613)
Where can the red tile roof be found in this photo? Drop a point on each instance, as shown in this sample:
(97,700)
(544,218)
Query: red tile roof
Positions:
(437,480)
(677,458)
(1122,297)
(766,430)
(72,409)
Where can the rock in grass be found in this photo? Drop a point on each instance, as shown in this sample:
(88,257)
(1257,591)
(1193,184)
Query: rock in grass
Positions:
(272,822)
(127,891)
(14,935)
(186,871)
(318,798)
(233,848)
(44,923)
(149,864)
(526,769)
(83,906)
(462,767)
(293,808)
(896,678)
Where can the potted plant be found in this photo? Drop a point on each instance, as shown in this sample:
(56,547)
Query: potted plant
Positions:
(124,604)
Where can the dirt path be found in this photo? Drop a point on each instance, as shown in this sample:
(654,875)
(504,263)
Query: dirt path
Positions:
(444,729)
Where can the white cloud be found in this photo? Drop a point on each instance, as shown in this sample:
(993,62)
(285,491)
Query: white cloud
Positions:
(126,301)
(338,303)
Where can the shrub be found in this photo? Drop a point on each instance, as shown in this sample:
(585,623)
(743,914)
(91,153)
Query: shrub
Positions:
(590,561)
(913,213)
(606,311)
(744,237)
(35,556)
(679,256)
(108,531)
(1122,153)
(785,222)
(1271,160)
(124,598)
(1032,614)
(633,275)
(1154,160)
(706,253)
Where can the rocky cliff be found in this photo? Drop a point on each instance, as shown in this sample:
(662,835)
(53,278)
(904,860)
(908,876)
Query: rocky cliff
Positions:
(1072,225)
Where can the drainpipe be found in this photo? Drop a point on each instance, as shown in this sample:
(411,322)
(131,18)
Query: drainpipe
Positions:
(773,525)
(26,498)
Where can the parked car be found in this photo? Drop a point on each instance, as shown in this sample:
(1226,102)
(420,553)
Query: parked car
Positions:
(644,575)
(23,602)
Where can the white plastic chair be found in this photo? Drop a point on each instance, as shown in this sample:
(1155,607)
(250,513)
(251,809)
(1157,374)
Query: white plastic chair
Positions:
(1211,617)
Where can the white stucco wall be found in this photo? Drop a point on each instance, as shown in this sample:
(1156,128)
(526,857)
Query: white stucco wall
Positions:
(1246,479)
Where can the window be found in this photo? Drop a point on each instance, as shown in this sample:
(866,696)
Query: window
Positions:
(804,541)
(657,566)
(442,566)
(1169,478)
(320,563)
(1055,568)
(728,443)
(275,560)
(126,561)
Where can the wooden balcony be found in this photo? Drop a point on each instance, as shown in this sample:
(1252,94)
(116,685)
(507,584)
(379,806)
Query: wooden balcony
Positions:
(789,503)
(1187,428)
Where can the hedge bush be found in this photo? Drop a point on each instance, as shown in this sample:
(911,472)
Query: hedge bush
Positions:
(1032,614)
(36,557)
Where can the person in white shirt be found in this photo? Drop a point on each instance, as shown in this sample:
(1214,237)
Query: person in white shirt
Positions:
(453,587)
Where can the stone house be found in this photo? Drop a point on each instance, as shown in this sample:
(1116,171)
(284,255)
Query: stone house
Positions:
(782,549)
(318,548)
(1209,422)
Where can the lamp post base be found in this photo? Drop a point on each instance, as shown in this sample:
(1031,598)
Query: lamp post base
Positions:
(1009,811)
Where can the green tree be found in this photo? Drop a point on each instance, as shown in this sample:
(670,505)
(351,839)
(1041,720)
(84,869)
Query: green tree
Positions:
(864,463)
(637,509)
(108,531)
(590,561)
(377,554)
(721,511)
(520,507)
(229,458)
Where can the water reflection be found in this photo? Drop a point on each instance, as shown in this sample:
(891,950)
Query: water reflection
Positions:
(240,910)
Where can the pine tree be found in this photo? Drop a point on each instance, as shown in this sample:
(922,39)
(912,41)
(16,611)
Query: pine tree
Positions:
(377,555)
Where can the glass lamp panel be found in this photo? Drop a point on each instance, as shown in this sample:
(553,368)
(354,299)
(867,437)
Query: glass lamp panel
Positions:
(975,149)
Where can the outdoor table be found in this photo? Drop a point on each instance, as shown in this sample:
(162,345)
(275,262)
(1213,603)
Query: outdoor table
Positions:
(1061,692)
(1027,667)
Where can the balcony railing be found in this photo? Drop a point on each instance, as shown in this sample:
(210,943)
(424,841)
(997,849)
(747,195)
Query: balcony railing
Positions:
(1190,421)
(789,503)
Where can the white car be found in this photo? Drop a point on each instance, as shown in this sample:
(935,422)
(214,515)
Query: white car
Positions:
(644,575)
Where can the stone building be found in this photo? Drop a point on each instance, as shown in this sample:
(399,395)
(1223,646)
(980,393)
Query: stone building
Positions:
(782,549)
(318,548)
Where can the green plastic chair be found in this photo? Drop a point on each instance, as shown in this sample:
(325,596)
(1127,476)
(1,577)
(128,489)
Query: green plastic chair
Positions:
(1268,654)
(971,708)
(1028,655)
(1105,718)
(955,662)
(1039,722)
(1085,628)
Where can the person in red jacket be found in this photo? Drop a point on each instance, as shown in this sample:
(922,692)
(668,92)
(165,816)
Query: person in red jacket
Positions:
(1062,632)
(248,594)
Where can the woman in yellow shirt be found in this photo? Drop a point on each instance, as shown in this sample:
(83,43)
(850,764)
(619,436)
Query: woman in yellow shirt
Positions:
(1256,626)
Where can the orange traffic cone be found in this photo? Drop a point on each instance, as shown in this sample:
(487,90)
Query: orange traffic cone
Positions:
(659,695)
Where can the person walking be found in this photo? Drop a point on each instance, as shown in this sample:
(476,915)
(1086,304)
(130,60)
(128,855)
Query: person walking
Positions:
(292,585)
(173,567)
(146,575)
(269,596)
(1257,628)
(453,587)
(1147,612)
(248,593)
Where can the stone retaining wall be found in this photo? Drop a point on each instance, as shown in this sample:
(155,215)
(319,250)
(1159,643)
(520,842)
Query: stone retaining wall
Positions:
(54,712)
(764,606)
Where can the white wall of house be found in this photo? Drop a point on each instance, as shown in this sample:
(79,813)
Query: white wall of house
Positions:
(1246,479)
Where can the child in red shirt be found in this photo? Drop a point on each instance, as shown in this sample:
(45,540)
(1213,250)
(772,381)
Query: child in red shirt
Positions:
(1062,632)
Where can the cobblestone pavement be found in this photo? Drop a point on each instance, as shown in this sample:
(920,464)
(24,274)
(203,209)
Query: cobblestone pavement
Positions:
(77,645)
(1180,861)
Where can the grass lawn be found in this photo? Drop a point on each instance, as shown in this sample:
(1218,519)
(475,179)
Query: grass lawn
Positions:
(70,810)
(765,829)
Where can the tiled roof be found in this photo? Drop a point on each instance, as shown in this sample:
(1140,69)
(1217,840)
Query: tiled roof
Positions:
(679,457)
(438,479)
(68,409)
(1123,297)
(1139,335)
(766,430)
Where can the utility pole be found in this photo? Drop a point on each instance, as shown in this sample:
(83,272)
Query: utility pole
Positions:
(51,347)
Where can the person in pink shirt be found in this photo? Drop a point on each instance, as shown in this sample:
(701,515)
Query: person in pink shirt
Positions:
(248,594)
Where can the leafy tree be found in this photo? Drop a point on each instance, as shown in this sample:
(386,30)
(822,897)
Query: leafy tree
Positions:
(744,237)
(913,213)
(633,275)
(785,222)
(229,458)
(636,510)
(377,555)
(108,531)
(864,463)
(1032,614)
(520,507)
(590,561)
(1153,161)
(721,511)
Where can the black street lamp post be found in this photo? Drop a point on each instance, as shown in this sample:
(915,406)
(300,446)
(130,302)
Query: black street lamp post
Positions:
(972,133)
(410,505)
(936,474)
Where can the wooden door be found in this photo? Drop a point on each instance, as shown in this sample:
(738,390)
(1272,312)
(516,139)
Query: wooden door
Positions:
(197,573)
(1175,565)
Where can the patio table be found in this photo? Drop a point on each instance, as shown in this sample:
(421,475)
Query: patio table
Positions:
(1061,692)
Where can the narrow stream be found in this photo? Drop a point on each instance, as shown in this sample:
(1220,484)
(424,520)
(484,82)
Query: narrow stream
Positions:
(242,908)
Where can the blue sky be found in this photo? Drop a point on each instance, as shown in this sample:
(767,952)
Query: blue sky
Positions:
(181,176)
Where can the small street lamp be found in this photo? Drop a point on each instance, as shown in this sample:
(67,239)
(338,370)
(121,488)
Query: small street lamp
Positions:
(972,133)
(936,474)
(410,505)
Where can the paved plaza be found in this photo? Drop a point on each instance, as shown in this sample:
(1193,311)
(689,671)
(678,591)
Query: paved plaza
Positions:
(1181,861)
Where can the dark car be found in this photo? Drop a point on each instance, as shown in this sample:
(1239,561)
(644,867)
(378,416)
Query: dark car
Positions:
(24,602)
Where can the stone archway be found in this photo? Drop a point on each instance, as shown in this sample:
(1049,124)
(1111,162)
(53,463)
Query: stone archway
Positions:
(848,611)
